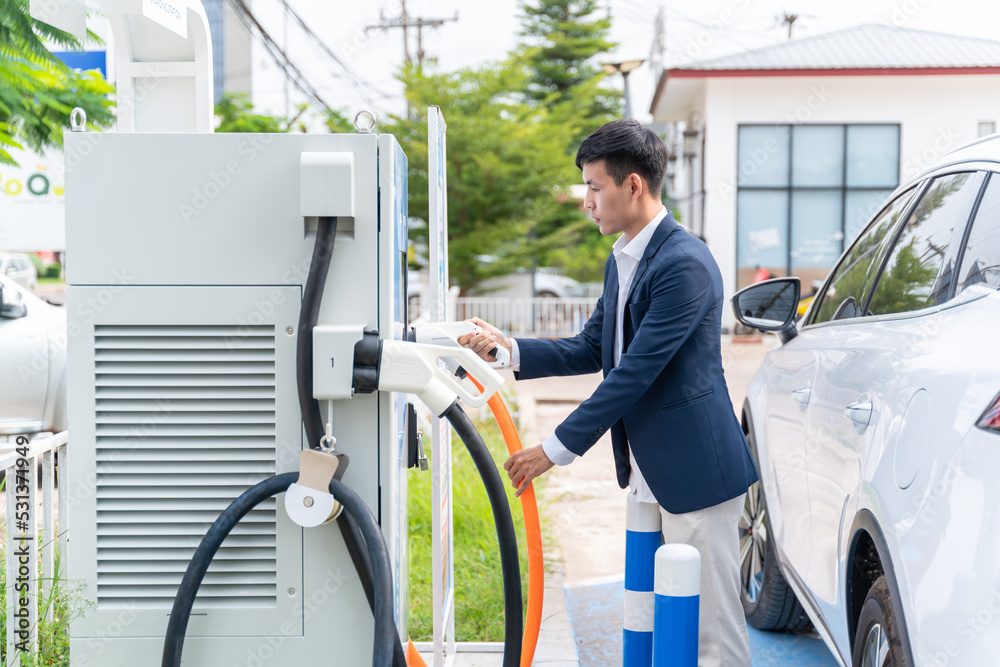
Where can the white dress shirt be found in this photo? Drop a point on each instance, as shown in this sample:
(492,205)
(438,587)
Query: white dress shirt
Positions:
(627,255)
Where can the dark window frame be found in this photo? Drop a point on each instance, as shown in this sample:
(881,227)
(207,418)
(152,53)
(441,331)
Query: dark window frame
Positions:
(964,243)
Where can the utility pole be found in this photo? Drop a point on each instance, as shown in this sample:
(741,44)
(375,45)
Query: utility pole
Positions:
(405,22)
(789,20)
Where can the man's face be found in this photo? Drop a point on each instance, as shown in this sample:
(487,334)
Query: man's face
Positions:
(609,204)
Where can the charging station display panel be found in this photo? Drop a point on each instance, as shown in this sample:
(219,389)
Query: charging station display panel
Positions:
(443,583)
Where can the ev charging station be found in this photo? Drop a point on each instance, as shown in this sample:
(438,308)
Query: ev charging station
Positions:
(189,255)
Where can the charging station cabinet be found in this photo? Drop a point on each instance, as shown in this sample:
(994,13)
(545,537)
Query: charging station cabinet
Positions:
(186,260)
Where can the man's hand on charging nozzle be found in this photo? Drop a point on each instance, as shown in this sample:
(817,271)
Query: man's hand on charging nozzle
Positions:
(524,466)
(482,344)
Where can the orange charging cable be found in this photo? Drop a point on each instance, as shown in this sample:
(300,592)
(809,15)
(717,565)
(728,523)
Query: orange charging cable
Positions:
(533,534)
(532,531)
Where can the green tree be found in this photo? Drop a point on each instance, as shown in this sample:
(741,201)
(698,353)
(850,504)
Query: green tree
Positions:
(507,166)
(37,90)
(234,112)
(563,41)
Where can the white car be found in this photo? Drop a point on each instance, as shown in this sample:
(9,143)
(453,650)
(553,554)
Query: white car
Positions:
(32,362)
(19,267)
(876,427)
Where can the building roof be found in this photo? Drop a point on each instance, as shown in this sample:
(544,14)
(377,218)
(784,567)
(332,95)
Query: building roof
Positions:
(864,47)
(870,49)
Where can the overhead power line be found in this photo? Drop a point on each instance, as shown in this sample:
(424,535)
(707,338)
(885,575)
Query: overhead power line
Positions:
(281,59)
(356,80)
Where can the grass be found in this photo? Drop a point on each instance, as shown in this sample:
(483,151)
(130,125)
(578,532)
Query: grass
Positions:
(66,603)
(478,581)
(51,281)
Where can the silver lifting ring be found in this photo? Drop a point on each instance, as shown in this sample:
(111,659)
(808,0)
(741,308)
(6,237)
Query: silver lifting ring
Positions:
(78,120)
(365,127)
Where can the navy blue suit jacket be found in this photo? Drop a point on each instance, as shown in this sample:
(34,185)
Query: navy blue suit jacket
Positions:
(667,398)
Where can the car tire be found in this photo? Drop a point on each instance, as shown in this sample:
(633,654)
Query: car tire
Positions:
(547,295)
(877,641)
(769,603)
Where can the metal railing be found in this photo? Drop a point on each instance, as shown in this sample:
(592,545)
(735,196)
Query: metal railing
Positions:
(537,317)
(30,538)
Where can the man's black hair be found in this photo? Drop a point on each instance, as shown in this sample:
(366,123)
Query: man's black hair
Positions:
(626,148)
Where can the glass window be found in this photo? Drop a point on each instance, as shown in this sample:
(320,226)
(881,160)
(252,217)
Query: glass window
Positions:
(847,288)
(981,261)
(763,233)
(816,232)
(859,207)
(921,268)
(818,156)
(872,156)
(763,156)
(822,183)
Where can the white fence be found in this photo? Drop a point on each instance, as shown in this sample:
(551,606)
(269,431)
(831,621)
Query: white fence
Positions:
(529,318)
(31,532)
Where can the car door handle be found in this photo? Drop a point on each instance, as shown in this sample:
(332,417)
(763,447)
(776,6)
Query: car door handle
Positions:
(860,413)
(802,395)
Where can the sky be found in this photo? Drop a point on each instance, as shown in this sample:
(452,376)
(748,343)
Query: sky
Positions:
(486,31)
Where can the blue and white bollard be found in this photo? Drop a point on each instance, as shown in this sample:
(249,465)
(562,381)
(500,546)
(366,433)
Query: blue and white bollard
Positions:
(642,539)
(678,587)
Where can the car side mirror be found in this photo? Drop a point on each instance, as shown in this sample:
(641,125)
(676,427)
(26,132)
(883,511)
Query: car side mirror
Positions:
(770,305)
(11,307)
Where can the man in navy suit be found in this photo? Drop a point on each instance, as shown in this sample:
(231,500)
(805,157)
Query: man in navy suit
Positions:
(655,334)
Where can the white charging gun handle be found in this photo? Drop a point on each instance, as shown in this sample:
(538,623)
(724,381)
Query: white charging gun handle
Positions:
(414,368)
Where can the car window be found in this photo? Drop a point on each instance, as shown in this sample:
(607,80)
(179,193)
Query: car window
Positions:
(847,288)
(21,264)
(920,271)
(981,260)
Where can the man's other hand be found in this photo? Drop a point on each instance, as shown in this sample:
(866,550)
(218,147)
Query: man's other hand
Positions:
(524,466)
(483,343)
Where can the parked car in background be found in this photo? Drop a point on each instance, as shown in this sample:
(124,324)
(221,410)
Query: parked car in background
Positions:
(19,267)
(32,362)
(550,283)
(876,427)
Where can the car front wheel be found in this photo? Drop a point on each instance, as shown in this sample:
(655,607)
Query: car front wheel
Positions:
(877,641)
(768,602)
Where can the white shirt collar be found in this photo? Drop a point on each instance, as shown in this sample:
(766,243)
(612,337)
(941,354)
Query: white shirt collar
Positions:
(637,246)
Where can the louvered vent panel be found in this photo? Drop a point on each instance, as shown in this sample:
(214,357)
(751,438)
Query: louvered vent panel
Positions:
(185,423)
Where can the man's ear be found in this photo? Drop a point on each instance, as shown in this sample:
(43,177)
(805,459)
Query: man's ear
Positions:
(636,186)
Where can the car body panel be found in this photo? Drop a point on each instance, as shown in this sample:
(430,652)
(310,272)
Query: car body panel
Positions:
(19,268)
(33,364)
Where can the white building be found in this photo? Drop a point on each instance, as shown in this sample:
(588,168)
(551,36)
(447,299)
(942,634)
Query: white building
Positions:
(797,144)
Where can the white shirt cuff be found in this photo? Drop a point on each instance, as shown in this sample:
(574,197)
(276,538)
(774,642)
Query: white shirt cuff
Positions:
(557,452)
(515,356)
